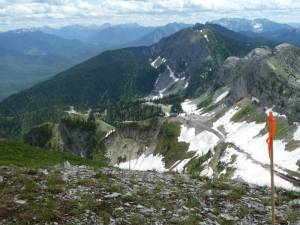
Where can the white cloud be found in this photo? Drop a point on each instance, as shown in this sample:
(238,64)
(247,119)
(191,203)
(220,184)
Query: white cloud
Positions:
(20,13)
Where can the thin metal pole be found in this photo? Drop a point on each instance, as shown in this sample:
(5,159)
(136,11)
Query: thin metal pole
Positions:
(272,183)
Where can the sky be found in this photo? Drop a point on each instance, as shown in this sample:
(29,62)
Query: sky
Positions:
(55,13)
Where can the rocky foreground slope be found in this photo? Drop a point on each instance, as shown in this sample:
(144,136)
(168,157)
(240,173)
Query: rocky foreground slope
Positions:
(83,195)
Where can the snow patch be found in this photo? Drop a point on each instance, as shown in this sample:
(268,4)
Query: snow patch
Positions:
(144,162)
(251,172)
(72,111)
(207,171)
(175,79)
(256,100)
(189,107)
(222,96)
(180,165)
(186,85)
(258,27)
(109,133)
(297,132)
(200,143)
(206,37)
(158,62)
(276,114)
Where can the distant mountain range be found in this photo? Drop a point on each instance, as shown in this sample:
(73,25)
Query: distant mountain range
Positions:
(263,28)
(29,56)
(116,74)
(256,25)
(107,36)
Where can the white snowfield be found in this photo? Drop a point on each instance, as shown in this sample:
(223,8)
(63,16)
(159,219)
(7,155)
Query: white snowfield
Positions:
(250,172)
(246,136)
(144,162)
(189,108)
(200,143)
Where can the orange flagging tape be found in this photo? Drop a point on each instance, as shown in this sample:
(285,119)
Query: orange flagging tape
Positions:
(272,131)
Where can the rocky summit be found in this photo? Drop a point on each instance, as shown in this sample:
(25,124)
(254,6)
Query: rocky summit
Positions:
(67,194)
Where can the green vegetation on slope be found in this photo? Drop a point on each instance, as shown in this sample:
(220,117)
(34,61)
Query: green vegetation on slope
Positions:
(131,111)
(108,78)
(250,112)
(168,145)
(205,101)
(12,153)
(15,126)
(39,135)
(195,166)
(102,82)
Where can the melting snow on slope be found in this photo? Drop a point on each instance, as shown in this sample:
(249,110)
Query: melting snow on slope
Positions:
(252,172)
(247,137)
(144,162)
(109,133)
(190,108)
(258,26)
(158,62)
(186,85)
(297,133)
(72,111)
(175,79)
(206,37)
(179,165)
(200,143)
(221,96)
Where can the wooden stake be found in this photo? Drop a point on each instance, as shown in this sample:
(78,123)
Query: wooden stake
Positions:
(272,182)
(129,160)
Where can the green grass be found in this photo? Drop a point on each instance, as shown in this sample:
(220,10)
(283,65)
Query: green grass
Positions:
(250,113)
(195,166)
(12,153)
(206,101)
(116,189)
(282,127)
(39,135)
(168,144)
(293,217)
(137,219)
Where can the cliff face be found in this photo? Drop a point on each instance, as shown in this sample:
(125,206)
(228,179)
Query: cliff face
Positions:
(77,134)
(131,140)
(128,141)
(272,76)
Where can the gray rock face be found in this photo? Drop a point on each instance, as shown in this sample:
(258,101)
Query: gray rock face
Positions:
(130,141)
(272,76)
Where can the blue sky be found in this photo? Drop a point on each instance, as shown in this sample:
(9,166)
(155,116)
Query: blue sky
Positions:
(32,13)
